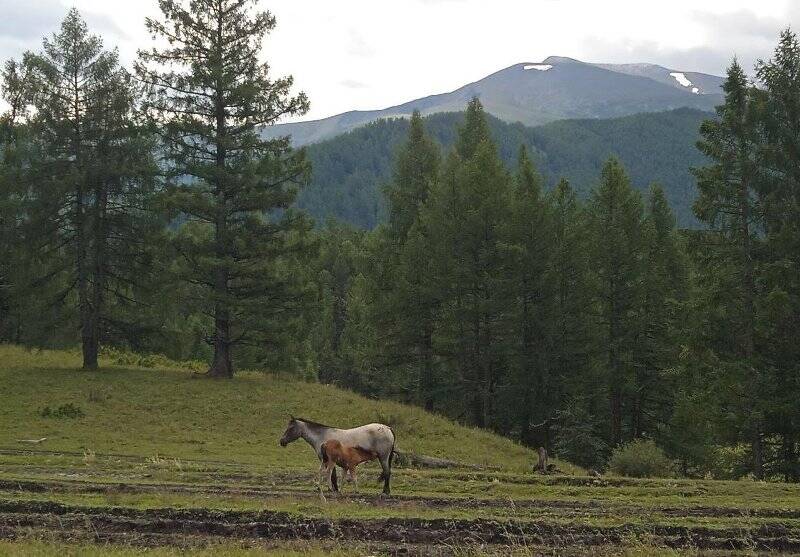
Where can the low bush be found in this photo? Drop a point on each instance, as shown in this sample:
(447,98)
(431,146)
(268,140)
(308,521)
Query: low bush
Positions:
(641,458)
(68,410)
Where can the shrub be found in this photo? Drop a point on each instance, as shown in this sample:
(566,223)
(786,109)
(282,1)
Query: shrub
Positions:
(641,459)
(68,410)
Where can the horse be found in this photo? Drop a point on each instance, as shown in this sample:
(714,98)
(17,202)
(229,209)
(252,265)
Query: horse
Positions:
(333,453)
(377,438)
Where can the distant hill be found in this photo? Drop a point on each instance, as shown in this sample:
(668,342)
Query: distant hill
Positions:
(350,170)
(538,93)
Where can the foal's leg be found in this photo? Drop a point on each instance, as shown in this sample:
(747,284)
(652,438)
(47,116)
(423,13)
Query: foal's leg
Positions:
(333,481)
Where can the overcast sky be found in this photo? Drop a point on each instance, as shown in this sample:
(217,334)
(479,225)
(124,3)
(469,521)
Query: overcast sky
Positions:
(366,54)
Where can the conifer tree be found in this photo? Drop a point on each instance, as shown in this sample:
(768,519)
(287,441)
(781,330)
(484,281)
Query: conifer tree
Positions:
(728,203)
(416,168)
(407,309)
(209,95)
(780,204)
(616,228)
(465,217)
(663,288)
(530,246)
(88,177)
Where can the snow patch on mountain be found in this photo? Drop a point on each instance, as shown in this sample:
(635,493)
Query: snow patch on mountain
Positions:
(681,78)
(539,67)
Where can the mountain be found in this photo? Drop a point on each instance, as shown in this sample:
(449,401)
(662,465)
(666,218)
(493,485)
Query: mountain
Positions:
(538,93)
(350,171)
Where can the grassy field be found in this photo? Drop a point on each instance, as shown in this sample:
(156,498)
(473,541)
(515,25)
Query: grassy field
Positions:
(157,461)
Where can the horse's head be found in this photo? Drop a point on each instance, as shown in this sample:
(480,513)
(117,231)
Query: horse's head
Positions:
(293,432)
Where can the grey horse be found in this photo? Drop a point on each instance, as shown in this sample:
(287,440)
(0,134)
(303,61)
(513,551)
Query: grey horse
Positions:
(377,438)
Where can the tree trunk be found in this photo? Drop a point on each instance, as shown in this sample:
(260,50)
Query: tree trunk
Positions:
(428,381)
(221,366)
(616,416)
(758,455)
(90,347)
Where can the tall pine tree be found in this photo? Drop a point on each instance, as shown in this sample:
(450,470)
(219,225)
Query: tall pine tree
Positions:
(88,178)
(465,218)
(209,95)
(780,194)
(728,203)
(616,228)
(530,252)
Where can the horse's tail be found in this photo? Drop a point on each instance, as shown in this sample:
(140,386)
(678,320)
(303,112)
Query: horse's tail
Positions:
(392,452)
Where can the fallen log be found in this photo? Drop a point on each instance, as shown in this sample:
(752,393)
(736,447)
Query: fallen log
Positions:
(32,441)
(412,460)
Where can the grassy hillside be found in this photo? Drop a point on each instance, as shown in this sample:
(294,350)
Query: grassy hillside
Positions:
(349,171)
(170,413)
(161,463)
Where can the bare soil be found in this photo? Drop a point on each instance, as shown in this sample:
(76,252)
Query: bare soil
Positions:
(182,527)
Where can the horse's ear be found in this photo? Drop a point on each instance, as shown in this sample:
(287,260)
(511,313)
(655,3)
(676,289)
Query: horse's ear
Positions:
(291,417)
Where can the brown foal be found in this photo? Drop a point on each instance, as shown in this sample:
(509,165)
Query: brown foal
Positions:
(334,453)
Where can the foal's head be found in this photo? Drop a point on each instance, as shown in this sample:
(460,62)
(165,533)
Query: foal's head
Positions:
(293,432)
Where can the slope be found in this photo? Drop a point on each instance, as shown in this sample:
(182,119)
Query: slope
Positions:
(159,413)
(350,170)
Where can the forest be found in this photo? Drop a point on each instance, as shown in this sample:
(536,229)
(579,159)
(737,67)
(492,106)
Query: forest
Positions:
(349,172)
(141,209)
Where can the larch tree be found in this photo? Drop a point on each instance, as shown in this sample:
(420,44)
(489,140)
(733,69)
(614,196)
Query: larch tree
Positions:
(780,195)
(728,203)
(465,217)
(531,294)
(663,289)
(209,95)
(615,214)
(88,176)
(406,308)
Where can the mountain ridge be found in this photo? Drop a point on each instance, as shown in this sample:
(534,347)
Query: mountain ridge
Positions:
(537,93)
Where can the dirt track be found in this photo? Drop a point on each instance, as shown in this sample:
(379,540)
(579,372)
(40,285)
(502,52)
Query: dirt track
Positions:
(190,527)
(593,508)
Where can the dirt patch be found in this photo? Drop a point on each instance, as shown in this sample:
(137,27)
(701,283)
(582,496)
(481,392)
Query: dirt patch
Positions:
(562,508)
(174,524)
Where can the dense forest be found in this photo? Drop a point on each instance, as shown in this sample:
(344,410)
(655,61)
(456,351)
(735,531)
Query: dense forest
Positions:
(144,210)
(349,172)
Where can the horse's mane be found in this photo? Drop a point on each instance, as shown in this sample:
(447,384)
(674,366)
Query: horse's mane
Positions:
(314,424)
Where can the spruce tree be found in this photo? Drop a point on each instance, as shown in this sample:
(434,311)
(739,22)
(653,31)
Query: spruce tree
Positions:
(209,95)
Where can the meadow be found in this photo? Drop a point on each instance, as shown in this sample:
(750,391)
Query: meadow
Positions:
(147,457)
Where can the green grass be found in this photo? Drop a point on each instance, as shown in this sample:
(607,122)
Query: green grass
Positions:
(172,413)
(158,438)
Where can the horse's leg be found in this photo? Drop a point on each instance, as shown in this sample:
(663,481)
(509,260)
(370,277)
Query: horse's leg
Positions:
(355,480)
(386,466)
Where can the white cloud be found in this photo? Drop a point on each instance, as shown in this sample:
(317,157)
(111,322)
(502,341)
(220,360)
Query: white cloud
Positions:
(354,54)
